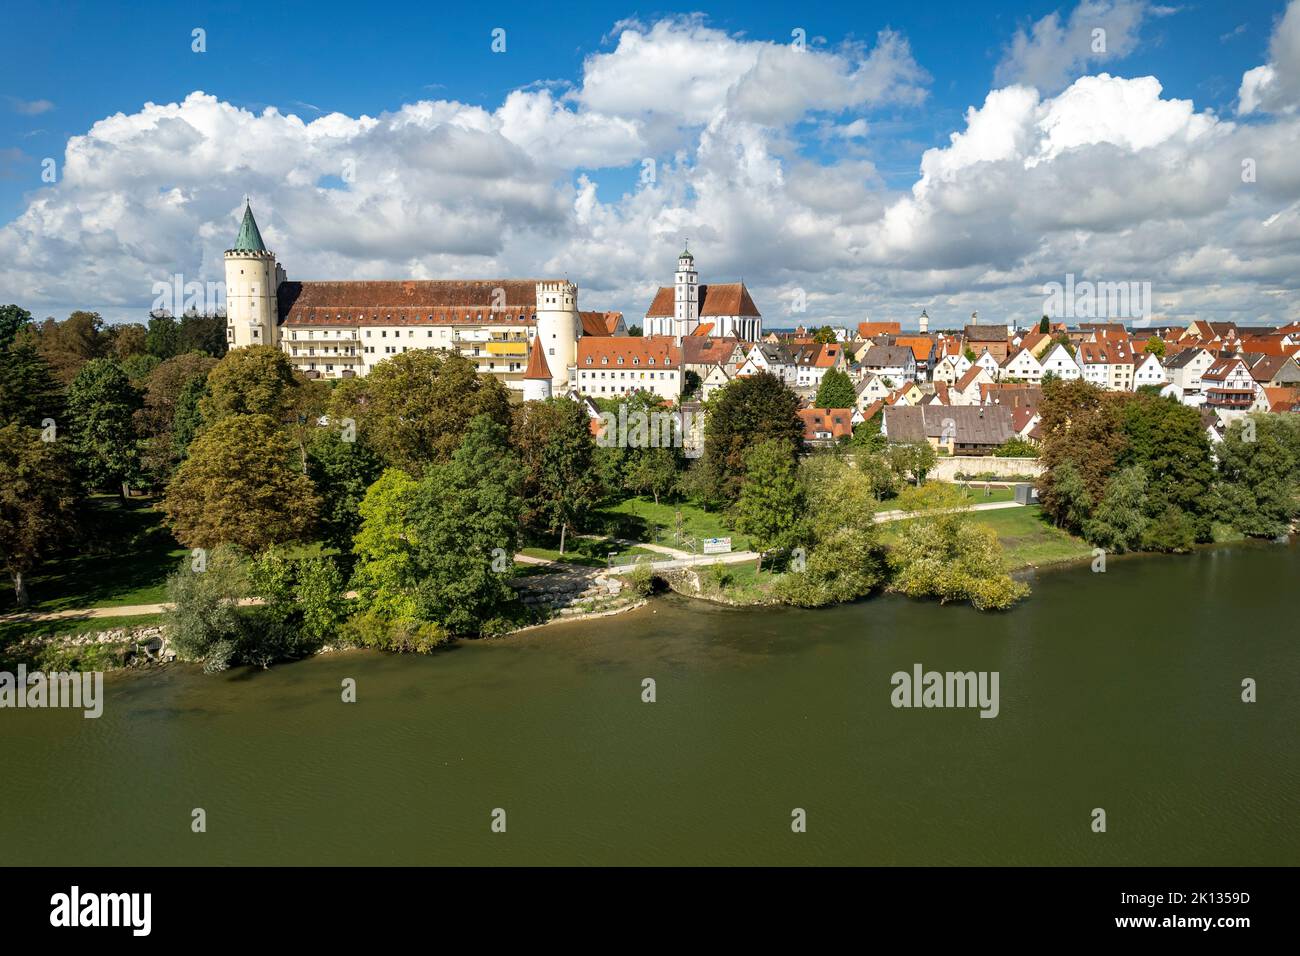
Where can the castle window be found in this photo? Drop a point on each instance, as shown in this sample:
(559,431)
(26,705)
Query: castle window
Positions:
(620,360)
(604,360)
(636,361)
(588,359)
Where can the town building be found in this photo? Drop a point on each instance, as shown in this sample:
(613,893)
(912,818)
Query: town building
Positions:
(688,308)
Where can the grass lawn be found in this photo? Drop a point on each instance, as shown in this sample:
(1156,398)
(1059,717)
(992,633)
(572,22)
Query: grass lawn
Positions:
(125,558)
(1029,537)
(977,496)
(640,519)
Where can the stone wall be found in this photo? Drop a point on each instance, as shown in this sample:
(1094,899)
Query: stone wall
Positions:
(946,468)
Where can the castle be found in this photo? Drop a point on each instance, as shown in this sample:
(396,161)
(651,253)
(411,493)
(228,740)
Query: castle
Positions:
(524,332)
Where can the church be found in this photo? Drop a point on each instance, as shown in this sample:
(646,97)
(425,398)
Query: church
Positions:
(525,332)
(686,308)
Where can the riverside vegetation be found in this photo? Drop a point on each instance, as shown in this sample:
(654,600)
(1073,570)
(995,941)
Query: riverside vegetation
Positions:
(384,512)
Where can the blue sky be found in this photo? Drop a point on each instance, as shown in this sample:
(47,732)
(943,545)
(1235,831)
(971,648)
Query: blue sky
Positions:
(71,65)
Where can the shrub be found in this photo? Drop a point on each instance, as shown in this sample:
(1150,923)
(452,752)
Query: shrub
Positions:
(401,635)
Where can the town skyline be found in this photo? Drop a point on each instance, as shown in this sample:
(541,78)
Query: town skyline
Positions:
(888,165)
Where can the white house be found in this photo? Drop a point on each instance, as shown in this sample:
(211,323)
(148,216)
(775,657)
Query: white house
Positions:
(1022,366)
(950,368)
(1061,363)
(1148,370)
(1186,369)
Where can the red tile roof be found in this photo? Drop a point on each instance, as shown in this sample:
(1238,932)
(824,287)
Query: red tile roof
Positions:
(537,367)
(656,351)
(867,330)
(837,421)
(444,301)
(730,298)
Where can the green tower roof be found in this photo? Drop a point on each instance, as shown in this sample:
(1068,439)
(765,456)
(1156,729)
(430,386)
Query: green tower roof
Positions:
(686,253)
(249,239)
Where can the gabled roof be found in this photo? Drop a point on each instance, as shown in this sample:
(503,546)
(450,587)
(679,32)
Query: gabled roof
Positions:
(651,351)
(867,330)
(729,298)
(837,421)
(972,424)
(986,333)
(969,376)
(537,367)
(707,350)
(1184,357)
(600,323)
(888,356)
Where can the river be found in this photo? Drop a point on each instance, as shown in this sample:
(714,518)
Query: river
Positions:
(1119,691)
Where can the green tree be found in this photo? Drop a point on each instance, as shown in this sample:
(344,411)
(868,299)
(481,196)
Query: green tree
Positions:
(911,459)
(37,502)
(205,623)
(188,418)
(1259,472)
(843,558)
(561,484)
(466,520)
(258,380)
(67,345)
(1119,520)
(654,472)
(1155,346)
(240,485)
(12,320)
(102,404)
(1167,440)
(825,336)
(202,333)
(386,572)
(1016,447)
(836,391)
(1044,325)
(746,412)
(771,502)
(946,556)
(341,471)
(29,393)
(1080,425)
(171,392)
(414,407)
(1071,503)
(162,337)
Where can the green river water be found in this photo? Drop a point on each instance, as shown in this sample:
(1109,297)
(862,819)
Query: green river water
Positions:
(1119,690)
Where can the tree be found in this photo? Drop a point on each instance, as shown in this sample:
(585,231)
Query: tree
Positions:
(1166,439)
(1118,521)
(691,382)
(1259,474)
(654,472)
(1044,325)
(102,404)
(125,340)
(744,413)
(946,556)
(634,330)
(771,499)
(162,337)
(844,559)
(557,452)
(1016,447)
(171,393)
(341,472)
(1080,424)
(67,345)
(1155,346)
(12,319)
(202,333)
(825,336)
(205,623)
(240,485)
(258,380)
(38,495)
(836,391)
(1071,505)
(912,459)
(414,407)
(29,393)
(466,523)
(385,543)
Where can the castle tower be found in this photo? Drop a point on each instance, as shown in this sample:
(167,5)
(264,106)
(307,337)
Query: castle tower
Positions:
(686,295)
(924,322)
(252,278)
(558,328)
(537,377)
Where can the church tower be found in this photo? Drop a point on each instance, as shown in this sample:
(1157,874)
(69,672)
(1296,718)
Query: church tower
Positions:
(923,323)
(686,295)
(252,278)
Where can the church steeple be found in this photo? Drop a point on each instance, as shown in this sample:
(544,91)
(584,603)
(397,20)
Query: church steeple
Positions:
(249,238)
